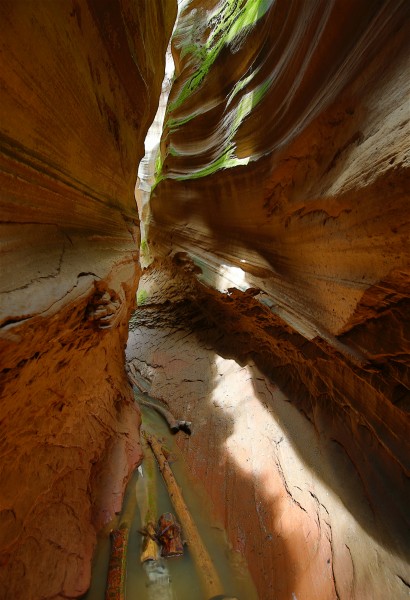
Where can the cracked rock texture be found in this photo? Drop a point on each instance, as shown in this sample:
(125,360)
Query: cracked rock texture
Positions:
(305,489)
(276,312)
(283,185)
(80,83)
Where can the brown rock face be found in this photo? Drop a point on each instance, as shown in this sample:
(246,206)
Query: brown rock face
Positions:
(283,186)
(296,170)
(79,85)
(281,441)
(285,172)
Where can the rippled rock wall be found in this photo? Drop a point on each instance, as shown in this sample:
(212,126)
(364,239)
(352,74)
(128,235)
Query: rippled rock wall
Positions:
(80,86)
(296,478)
(283,183)
(280,231)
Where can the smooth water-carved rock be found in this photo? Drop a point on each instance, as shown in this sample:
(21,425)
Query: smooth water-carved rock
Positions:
(283,184)
(285,168)
(312,501)
(80,85)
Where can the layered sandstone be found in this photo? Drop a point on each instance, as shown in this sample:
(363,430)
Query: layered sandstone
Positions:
(282,185)
(284,171)
(80,86)
(304,490)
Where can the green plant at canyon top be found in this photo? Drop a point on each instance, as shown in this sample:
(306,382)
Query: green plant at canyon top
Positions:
(200,37)
(225,24)
(142,297)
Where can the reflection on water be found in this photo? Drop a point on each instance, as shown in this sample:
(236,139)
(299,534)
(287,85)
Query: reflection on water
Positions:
(175,578)
(158,580)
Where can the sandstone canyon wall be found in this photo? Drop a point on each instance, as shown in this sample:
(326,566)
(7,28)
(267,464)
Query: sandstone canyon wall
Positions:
(276,311)
(80,82)
(283,186)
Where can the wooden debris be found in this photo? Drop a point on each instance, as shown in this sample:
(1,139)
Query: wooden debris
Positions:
(209,577)
(173,423)
(150,550)
(115,589)
(147,501)
(169,536)
(223,598)
(169,417)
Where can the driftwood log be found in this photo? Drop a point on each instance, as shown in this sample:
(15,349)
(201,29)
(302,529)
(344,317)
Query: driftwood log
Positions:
(115,589)
(169,536)
(209,577)
(132,373)
(174,424)
(147,501)
(149,543)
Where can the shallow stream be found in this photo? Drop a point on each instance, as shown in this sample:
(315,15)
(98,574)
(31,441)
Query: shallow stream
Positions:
(184,581)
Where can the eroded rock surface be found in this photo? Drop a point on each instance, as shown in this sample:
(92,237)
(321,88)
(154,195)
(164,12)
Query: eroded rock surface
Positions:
(285,162)
(80,83)
(283,185)
(307,492)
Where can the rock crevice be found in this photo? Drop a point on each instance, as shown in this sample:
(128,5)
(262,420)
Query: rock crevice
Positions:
(274,315)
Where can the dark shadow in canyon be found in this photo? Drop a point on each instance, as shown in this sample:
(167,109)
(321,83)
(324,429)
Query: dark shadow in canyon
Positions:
(360,471)
(352,465)
(270,555)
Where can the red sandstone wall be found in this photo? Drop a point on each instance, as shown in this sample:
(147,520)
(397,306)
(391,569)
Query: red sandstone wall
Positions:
(309,205)
(79,86)
(282,440)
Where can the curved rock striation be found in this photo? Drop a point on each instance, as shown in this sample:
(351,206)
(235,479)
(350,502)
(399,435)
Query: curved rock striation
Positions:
(80,84)
(301,154)
(276,312)
(283,182)
(280,440)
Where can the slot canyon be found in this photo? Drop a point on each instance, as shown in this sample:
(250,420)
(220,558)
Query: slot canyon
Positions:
(255,279)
